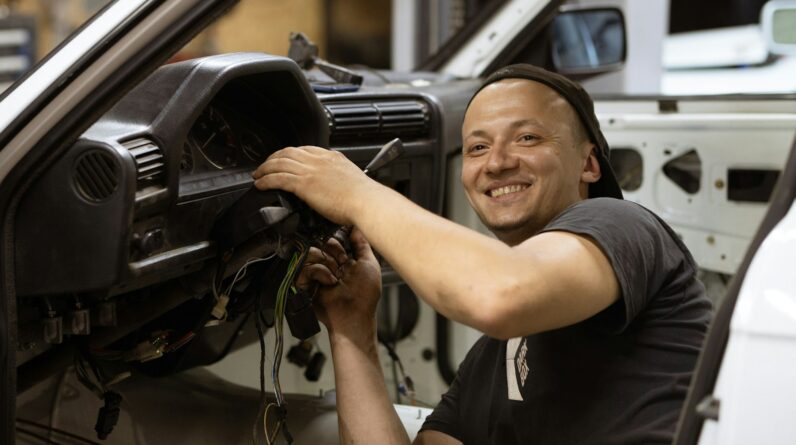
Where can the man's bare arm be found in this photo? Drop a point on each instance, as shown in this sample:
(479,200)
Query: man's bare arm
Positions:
(364,409)
(365,413)
(550,281)
(348,292)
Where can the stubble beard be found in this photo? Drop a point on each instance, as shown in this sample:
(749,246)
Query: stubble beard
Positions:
(515,231)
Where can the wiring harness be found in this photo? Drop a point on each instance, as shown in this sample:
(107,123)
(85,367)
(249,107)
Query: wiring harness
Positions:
(278,407)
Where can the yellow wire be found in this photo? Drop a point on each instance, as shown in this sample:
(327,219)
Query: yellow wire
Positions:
(269,438)
(279,313)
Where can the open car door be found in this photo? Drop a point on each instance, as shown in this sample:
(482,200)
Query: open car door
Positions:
(44,113)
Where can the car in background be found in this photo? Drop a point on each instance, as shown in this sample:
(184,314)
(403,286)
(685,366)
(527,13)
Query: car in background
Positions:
(733,60)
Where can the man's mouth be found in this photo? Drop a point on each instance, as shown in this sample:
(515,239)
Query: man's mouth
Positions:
(506,189)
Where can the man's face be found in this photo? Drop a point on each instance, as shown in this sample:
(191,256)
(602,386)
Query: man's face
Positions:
(524,160)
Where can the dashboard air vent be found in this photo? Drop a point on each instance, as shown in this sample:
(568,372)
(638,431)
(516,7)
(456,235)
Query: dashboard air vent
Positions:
(353,118)
(96,175)
(388,118)
(403,117)
(149,162)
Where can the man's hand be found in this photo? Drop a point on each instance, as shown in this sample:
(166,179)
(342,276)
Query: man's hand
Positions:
(348,291)
(349,288)
(326,180)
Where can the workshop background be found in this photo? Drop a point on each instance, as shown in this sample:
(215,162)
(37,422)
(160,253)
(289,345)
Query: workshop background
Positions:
(377,34)
(374,33)
(346,31)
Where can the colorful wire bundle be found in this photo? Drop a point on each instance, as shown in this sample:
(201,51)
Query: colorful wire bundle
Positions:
(286,287)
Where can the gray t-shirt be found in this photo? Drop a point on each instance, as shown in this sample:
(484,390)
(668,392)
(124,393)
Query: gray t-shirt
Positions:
(619,377)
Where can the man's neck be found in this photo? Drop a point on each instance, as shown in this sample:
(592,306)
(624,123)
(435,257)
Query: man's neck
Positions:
(517,236)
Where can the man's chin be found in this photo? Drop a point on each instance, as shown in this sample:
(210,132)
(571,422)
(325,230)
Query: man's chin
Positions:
(504,226)
(510,229)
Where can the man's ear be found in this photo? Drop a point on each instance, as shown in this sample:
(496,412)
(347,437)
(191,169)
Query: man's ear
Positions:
(591,167)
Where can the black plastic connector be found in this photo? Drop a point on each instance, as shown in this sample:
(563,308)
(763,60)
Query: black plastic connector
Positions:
(300,316)
(315,367)
(108,415)
(300,354)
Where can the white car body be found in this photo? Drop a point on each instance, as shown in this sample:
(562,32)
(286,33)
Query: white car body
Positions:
(755,383)
(731,60)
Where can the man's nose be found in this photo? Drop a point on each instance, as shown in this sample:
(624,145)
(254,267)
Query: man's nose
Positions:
(501,158)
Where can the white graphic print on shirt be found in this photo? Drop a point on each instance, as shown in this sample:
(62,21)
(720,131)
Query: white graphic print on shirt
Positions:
(516,365)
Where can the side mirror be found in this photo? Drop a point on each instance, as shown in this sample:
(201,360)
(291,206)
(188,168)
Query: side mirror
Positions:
(778,18)
(588,41)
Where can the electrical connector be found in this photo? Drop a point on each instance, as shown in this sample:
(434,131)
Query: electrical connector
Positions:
(108,414)
(148,350)
(220,309)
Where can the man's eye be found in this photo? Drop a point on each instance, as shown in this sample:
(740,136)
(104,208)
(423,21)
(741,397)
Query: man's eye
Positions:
(528,138)
(477,147)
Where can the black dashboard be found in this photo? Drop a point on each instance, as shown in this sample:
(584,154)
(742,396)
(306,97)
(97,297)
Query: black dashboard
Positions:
(128,216)
(157,170)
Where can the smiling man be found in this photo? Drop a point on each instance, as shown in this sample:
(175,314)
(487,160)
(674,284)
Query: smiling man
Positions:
(592,313)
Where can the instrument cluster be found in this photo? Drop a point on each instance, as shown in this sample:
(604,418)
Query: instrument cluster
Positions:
(222,138)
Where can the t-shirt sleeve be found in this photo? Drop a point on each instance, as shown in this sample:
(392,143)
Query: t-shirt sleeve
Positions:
(446,416)
(641,249)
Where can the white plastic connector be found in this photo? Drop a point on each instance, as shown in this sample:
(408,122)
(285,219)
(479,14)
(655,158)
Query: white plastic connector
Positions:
(219,312)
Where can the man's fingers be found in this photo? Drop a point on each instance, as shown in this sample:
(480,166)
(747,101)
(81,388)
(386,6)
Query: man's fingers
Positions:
(315,273)
(318,256)
(299,155)
(361,246)
(334,248)
(258,173)
(314,150)
(282,181)
(279,165)
(320,266)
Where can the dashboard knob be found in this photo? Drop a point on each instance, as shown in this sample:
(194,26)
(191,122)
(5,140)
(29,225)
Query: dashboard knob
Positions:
(150,242)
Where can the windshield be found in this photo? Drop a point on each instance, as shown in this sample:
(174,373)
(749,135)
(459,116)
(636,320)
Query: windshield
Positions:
(29,30)
(379,34)
(674,49)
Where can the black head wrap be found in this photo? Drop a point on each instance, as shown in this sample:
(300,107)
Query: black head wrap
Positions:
(580,100)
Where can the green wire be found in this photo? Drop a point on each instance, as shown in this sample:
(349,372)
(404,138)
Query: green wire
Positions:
(279,313)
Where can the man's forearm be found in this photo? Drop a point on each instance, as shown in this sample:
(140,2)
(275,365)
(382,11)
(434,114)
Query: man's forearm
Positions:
(364,408)
(456,270)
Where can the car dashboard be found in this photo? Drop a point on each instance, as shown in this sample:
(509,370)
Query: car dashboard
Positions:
(133,217)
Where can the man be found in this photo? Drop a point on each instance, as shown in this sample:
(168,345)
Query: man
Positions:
(591,310)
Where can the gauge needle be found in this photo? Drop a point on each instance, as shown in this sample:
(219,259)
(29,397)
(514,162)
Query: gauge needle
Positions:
(208,140)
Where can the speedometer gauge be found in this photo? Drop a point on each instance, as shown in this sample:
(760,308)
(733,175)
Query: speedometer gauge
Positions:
(214,140)
(252,146)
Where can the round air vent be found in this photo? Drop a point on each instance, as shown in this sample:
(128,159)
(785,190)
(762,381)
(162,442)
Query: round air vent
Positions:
(96,175)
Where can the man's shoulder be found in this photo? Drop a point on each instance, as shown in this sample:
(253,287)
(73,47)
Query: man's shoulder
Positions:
(480,359)
(613,205)
(620,224)
(483,344)
(483,348)
(611,211)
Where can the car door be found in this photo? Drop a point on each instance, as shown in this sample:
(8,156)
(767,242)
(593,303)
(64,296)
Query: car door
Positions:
(743,389)
(44,112)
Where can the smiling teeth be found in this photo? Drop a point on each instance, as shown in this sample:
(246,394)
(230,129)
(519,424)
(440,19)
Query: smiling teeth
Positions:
(500,191)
